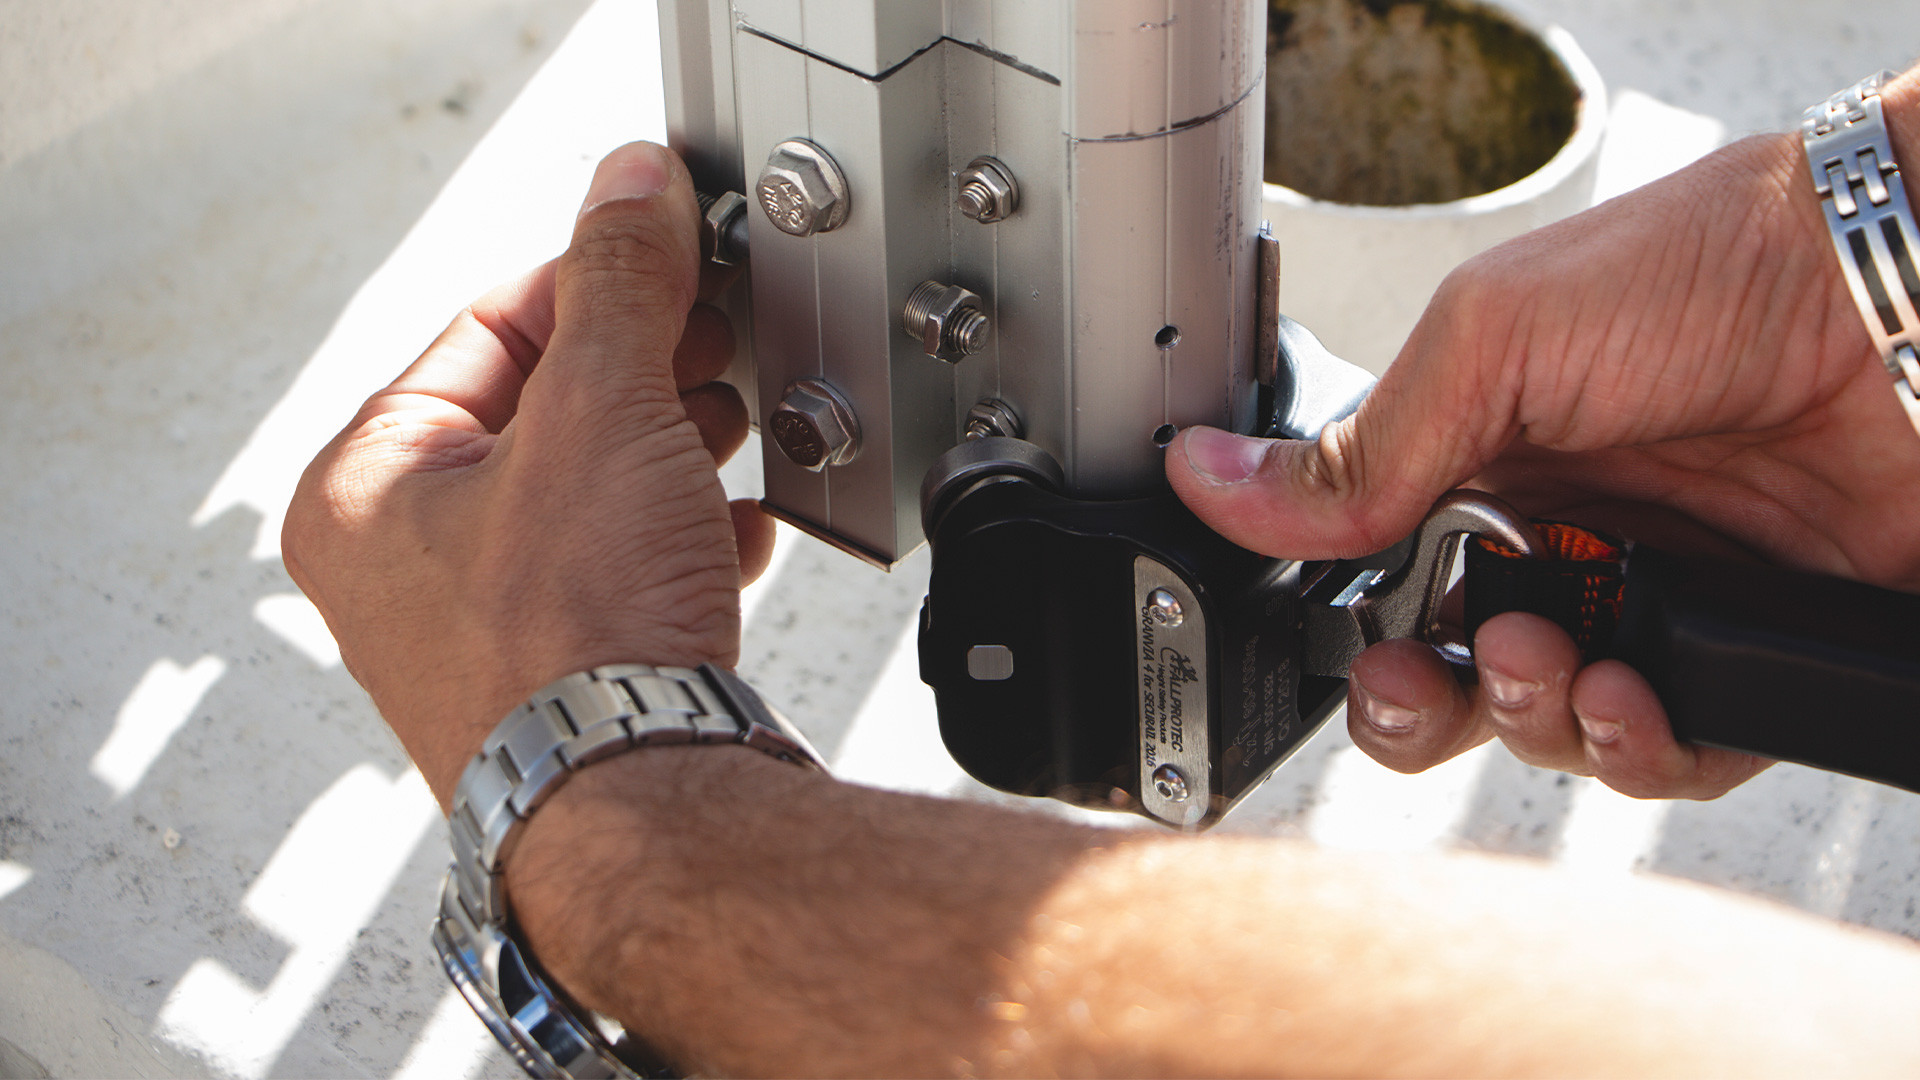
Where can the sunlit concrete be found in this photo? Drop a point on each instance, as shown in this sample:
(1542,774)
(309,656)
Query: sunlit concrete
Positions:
(221,224)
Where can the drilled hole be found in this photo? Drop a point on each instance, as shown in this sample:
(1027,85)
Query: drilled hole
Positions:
(1168,337)
(1164,434)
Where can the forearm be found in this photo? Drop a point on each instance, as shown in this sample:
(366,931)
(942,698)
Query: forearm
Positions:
(750,918)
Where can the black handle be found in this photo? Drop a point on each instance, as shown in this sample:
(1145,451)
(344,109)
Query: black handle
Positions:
(1800,667)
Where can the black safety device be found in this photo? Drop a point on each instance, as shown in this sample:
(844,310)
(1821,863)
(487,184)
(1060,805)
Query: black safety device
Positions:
(1120,654)
(1057,673)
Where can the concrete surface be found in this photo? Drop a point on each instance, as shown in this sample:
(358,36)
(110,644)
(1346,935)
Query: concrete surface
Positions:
(222,224)
(1367,272)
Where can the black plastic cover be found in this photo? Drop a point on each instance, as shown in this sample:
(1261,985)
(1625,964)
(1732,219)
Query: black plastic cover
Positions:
(1794,666)
(1052,579)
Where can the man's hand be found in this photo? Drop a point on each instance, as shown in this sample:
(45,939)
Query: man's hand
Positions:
(536,494)
(1691,346)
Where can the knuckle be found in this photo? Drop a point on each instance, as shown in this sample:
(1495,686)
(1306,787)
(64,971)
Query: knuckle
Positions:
(1335,467)
(1342,470)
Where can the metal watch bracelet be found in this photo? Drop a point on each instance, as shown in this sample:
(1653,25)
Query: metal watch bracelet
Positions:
(569,724)
(1851,156)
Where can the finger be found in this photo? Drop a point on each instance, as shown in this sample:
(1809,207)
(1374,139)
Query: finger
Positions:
(621,296)
(1444,409)
(753,531)
(705,349)
(1527,666)
(471,376)
(1406,710)
(716,409)
(1630,745)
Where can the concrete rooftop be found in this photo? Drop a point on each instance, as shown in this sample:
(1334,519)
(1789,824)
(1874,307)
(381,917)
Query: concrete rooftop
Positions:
(223,222)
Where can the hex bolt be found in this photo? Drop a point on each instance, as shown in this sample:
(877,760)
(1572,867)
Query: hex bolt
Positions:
(993,418)
(802,189)
(947,321)
(1170,783)
(814,426)
(988,192)
(723,227)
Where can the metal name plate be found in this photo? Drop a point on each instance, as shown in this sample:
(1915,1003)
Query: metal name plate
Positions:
(1170,656)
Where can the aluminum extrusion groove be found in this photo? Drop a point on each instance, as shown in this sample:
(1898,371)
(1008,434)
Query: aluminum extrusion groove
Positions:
(1135,131)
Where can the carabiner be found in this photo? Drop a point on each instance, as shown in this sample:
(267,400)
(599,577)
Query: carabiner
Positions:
(1349,608)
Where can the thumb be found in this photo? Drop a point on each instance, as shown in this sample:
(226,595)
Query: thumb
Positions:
(1432,422)
(623,288)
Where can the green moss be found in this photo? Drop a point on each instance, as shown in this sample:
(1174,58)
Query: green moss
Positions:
(1392,102)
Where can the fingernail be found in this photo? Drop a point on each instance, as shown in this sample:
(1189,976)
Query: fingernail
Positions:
(1504,690)
(631,172)
(1601,730)
(1381,714)
(1222,457)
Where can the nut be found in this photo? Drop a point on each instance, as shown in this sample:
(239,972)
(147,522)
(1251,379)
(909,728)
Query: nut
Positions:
(992,418)
(988,192)
(802,189)
(947,320)
(814,426)
(723,228)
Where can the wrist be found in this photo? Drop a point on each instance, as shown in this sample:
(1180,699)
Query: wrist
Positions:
(1853,144)
(1900,104)
(443,714)
(1770,174)
(643,825)
(580,720)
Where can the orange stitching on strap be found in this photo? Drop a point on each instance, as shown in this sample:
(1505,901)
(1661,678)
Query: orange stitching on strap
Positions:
(1569,542)
(1600,592)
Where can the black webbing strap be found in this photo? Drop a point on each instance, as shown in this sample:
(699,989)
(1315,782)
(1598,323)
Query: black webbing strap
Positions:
(1578,588)
(1788,665)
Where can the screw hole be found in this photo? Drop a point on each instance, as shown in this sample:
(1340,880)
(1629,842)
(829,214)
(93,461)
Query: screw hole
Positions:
(1164,434)
(1168,337)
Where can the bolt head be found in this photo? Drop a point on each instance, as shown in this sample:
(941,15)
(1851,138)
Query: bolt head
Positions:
(1171,784)
(814,427)
(1164,608)
(802,189)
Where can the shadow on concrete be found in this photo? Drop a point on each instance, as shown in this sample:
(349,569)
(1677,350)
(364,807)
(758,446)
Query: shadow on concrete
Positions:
(167,272)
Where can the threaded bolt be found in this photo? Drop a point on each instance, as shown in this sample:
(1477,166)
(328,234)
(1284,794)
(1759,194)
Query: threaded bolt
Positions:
(993,418)
(976,200)
(988,192)
(968,332)
(947,320)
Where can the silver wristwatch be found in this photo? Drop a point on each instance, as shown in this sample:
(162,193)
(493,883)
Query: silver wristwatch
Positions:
(569,724)
(1851,156)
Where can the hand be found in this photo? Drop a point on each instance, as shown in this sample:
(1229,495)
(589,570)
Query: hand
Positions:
(1691,346)
(537,494)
